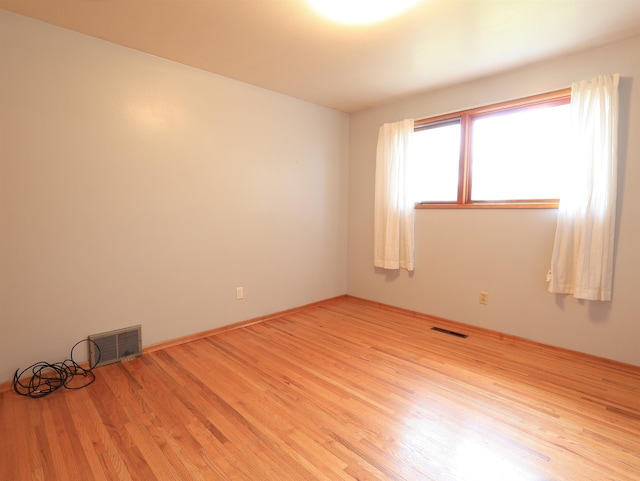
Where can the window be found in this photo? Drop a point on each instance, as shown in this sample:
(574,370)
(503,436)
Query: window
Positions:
(503,155)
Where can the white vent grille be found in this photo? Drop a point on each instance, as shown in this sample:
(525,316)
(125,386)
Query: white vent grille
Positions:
(115,345)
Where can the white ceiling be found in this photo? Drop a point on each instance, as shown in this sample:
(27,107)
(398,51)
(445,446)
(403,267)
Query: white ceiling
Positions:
(283,45)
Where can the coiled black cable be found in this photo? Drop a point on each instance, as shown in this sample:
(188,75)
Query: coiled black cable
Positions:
(46,378)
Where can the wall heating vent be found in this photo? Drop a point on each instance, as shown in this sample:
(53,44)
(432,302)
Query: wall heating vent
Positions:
(115,345)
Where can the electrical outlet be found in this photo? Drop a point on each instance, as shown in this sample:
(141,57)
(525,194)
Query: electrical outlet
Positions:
(239,293)
(484,297)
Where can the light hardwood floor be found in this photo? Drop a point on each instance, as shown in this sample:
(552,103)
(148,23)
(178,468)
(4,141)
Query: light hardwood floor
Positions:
(341,391)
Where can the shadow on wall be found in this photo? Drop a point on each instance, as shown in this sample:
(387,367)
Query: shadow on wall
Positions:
(390,275)
(598,311)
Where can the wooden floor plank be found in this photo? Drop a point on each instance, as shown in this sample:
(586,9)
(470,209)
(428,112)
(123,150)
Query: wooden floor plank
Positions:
(345,390)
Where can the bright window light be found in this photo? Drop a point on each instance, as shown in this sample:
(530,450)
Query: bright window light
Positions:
(510,154)
(436,153)
(360,11)
(519,155)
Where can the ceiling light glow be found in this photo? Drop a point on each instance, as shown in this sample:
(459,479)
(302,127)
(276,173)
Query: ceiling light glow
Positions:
(360,11)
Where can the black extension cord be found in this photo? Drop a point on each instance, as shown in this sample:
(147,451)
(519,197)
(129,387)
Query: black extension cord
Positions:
(46,378)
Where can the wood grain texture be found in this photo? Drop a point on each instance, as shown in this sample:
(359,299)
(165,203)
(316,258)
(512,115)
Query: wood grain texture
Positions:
(345,390)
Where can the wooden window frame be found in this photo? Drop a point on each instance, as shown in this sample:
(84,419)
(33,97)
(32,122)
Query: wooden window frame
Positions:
(550,99)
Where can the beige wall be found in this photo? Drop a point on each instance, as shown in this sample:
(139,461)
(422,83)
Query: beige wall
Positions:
(137,190)
(506,252)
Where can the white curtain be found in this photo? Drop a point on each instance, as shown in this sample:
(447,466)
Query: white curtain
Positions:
(582,261)
(393,241)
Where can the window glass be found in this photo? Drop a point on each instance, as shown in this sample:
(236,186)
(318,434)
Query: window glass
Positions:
(437,160)
(518,154)
(511,154)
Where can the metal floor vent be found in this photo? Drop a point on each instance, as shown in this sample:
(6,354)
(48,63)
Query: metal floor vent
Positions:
(115,345)
(452,333)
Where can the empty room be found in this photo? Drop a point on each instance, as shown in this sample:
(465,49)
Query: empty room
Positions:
(268,240)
